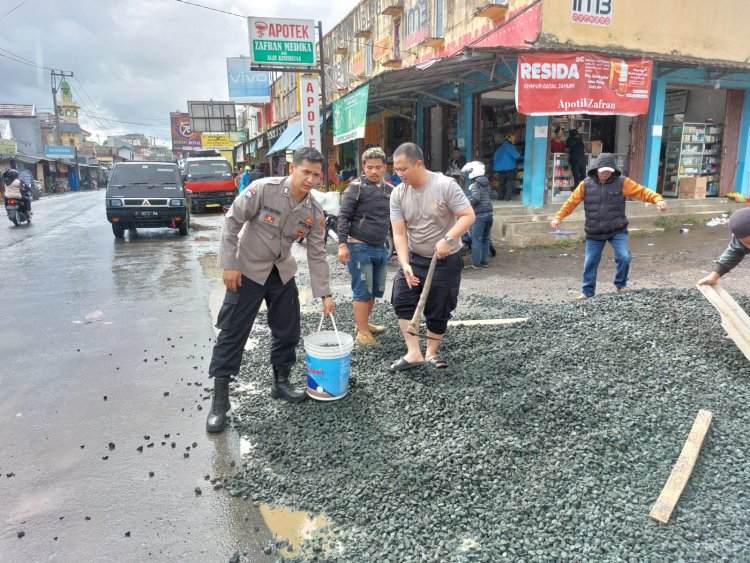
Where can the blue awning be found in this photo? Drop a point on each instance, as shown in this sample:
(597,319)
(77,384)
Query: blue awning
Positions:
(287,138)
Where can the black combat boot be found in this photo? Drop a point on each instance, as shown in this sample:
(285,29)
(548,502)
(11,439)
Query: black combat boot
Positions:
(283,389)
(217,418)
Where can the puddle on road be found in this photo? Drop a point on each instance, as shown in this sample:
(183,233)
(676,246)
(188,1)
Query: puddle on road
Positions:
(298,527)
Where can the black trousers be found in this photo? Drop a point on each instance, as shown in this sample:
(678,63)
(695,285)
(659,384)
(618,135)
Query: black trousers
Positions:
(443,296)
(237,316)
(578,169)
(507,183)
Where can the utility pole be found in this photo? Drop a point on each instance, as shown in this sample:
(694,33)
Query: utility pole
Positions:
(324,132)
(55,88)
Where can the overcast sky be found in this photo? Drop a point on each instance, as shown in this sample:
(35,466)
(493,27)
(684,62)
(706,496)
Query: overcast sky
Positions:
(137,60)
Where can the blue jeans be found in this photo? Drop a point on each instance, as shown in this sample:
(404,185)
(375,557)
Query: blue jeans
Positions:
(594,255)
(481,236)
(368,266)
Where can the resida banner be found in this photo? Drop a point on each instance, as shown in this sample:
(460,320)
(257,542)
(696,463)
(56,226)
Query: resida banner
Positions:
(350,116)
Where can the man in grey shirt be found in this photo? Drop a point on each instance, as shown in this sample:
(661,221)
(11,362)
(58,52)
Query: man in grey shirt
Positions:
(429,214)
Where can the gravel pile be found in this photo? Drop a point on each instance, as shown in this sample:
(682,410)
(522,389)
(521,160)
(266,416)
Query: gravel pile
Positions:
(549,440)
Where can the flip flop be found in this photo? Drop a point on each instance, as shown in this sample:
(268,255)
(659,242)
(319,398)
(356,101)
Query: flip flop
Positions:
(401,365)
(437,362)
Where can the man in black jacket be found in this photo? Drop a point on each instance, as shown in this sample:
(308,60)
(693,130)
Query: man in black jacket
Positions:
(576,156)
(364,219)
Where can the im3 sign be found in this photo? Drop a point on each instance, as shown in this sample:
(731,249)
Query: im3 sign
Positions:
(592,12)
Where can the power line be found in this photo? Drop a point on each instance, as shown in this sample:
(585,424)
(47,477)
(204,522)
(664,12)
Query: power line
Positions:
(210,8)
(18,59)
(14,9)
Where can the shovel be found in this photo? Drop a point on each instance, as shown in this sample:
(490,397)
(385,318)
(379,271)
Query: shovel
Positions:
(414,323)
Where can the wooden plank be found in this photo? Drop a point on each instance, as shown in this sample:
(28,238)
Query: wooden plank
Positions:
(682,469)
(479,322)
(733,318)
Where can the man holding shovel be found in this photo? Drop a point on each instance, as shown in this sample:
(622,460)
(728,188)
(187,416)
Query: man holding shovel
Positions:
(429,214)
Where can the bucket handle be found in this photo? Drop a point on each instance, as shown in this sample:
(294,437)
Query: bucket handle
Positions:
(338,338)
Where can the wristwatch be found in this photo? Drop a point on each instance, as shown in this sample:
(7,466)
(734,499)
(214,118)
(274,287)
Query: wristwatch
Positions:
(448,239)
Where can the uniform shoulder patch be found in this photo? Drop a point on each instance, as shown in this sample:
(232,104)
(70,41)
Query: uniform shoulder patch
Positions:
(250,192)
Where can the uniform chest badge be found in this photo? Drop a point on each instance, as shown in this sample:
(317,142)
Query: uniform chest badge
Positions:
(434,205)
(268,218)
(308,220)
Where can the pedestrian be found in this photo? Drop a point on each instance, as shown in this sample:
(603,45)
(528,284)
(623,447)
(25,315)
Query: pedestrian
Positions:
(455,163)
(364,219)
(258,266)
(556,144)
(504,166)
(245,179)
(481,230)
(603,195)
(739,246)
(429,215)
(255,174)
(576,156)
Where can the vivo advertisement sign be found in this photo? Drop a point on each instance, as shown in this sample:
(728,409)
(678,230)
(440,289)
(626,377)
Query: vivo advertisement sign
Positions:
(247,86)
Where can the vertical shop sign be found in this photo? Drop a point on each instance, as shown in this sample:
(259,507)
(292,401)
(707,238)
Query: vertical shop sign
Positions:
(350,116)
(572,83)
(592,12)
(417,23)
(310,104)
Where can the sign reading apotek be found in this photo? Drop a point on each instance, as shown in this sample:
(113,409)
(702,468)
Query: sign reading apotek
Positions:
(309,94)
(350,116)
(282,41)
(65,151)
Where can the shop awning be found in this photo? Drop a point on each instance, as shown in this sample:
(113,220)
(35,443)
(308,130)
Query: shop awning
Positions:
(287,138)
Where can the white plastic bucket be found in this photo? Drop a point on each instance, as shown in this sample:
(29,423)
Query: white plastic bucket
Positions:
(329,356)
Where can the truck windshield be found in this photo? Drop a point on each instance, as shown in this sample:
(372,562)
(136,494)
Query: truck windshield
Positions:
(209,170)
(151,173)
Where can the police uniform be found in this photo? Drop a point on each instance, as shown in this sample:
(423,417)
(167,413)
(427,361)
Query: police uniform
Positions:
(272,220)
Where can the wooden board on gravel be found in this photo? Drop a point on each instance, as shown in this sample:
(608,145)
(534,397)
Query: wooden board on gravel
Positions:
(682,469)
(733,318)
(477,322)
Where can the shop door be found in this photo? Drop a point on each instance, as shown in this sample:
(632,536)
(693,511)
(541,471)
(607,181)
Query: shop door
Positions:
(732,119)
(637,149)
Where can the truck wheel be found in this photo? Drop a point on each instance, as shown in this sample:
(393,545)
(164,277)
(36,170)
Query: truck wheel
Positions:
(118,230)
(184,226)
(389,246)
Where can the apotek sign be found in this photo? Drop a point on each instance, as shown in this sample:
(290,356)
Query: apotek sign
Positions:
(309,88)
(282,42)
(592,12)
(572,83)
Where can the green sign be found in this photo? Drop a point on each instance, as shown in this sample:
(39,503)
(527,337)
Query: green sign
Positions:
(350,116)
(282,42)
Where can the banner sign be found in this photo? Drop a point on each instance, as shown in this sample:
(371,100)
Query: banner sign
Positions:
(350,116)
(182,134)
(247,86)
(572,83)
(218,141)
(382,48)
(275,41)
(592,12)
(8,146)
(309,93)
(357,66)
(60,151)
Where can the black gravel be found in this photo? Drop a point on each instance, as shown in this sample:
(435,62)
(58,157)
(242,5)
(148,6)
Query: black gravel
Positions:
(548,440)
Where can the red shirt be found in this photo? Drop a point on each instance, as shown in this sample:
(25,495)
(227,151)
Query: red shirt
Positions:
(557,146)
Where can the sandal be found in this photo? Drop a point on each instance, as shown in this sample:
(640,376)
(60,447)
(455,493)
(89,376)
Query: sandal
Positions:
(437,362)
(402,364)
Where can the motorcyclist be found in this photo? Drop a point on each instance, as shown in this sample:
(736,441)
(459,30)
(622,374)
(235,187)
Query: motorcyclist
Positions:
(15,189)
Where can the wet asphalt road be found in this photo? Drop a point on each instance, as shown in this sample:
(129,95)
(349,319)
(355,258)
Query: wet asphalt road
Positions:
(145,346)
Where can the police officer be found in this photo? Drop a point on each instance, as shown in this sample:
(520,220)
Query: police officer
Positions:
(259,266)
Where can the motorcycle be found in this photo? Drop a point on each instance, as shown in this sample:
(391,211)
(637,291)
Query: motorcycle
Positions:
(17,209)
